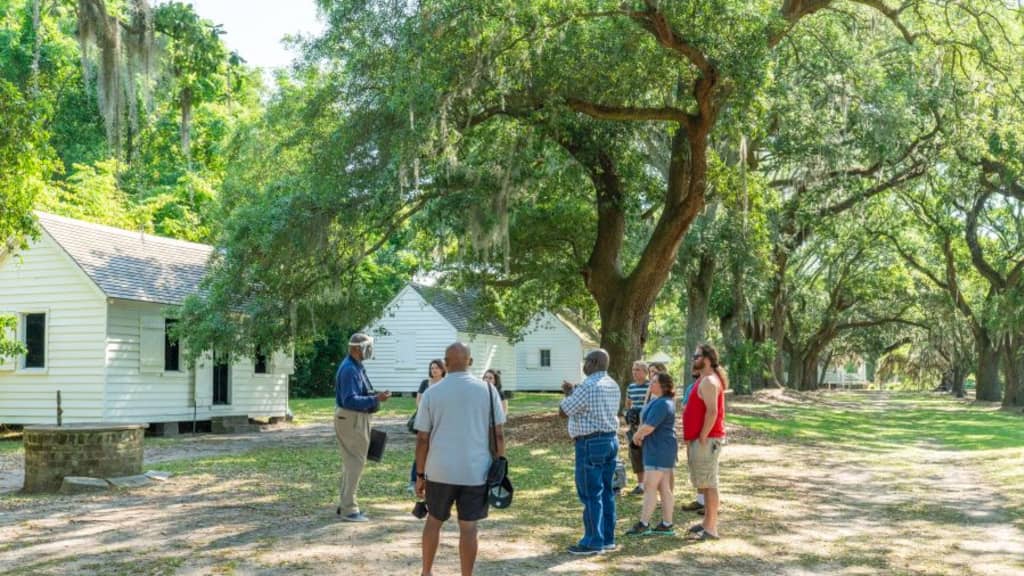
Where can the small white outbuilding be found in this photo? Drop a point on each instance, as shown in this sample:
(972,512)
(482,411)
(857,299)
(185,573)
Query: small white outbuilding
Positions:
(92,306)
(551,350)
(417,325)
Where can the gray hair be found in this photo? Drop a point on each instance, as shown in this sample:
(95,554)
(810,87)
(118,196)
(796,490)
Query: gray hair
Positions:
(359,338)
(596,361)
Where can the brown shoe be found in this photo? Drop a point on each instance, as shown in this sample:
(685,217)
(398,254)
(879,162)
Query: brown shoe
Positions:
(693,507)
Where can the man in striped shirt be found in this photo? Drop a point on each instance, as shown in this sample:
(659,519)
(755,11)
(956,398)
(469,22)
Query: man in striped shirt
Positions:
(593,412)
(636,395)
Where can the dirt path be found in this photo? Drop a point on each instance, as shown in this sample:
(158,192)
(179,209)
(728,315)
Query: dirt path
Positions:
(188,446)
(788,509)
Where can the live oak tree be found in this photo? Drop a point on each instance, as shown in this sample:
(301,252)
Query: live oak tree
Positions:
(419,102)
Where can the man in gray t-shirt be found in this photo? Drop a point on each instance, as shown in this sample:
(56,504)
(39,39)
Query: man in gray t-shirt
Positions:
(453,454)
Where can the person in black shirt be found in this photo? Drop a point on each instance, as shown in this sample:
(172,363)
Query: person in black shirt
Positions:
(493,377)
(435,372)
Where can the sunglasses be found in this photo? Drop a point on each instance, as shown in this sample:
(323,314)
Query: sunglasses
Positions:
(695,356)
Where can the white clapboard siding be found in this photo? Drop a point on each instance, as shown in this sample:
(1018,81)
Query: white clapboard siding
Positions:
(408,335)
(548,332)
(255,395)
(140,391)
(147,395)
(43,278)
(492,353)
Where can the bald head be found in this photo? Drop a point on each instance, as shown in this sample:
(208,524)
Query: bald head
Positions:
(596,361)
(457,357)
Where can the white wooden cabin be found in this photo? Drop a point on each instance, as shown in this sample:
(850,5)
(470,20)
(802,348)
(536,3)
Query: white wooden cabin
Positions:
(91,303)
(837,375)
(416,327)
(552,350)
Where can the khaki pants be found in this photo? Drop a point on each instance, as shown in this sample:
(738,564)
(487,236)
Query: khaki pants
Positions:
(353,432)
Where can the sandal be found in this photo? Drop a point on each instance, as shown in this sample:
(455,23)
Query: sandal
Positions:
(705,535)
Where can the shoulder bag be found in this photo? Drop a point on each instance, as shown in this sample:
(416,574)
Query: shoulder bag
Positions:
(499,487)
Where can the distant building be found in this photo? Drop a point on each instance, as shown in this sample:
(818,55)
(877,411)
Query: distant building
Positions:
(417,325)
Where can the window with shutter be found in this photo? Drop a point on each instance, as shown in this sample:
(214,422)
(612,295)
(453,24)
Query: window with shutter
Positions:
(151,344)
(532,359)
(405,345)
(283,362)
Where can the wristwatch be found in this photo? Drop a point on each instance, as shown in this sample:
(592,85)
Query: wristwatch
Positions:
(420,475)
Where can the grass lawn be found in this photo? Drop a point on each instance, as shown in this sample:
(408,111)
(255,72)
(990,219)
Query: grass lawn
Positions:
(863,483)
(919,417)
(10,445)
(311,410)
(988,438)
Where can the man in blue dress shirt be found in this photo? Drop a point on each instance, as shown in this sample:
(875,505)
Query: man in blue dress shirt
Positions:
(355,400)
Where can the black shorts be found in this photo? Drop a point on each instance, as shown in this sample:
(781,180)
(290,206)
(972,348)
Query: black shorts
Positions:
(636,453)
(470,501)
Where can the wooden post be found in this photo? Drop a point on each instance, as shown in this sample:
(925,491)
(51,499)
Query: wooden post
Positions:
(60,411)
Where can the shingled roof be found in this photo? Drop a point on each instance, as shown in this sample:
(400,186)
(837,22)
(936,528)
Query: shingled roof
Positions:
(131,265)
(460,310)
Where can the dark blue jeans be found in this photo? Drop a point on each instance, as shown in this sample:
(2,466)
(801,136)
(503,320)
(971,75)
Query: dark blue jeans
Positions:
(595,467)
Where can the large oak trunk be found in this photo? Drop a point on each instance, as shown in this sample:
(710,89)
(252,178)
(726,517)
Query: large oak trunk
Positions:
(778,319)
(1013,367)
(698,297)
(987,373)
(958,383)
(621,329)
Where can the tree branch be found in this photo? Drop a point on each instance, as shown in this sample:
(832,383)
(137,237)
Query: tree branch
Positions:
(605,112)
(655,22)
(977,254)
(913,262)
(916,170)
(1008,185)
(892,14)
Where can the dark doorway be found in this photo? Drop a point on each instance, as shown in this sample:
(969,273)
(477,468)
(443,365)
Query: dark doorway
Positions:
(221,380)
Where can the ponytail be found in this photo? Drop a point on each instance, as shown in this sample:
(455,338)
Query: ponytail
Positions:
(722,376)
(711,355)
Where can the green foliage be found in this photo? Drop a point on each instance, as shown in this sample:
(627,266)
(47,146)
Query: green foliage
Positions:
(747,364)
(25,161)
(194,53)
(91,193)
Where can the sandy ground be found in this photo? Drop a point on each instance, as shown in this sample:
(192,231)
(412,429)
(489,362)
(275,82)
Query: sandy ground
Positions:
(12,473)
(787,509)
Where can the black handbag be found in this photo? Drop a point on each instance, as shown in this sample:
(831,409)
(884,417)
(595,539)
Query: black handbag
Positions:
(499,487)
(378,439)
(633,417)
(410,425)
